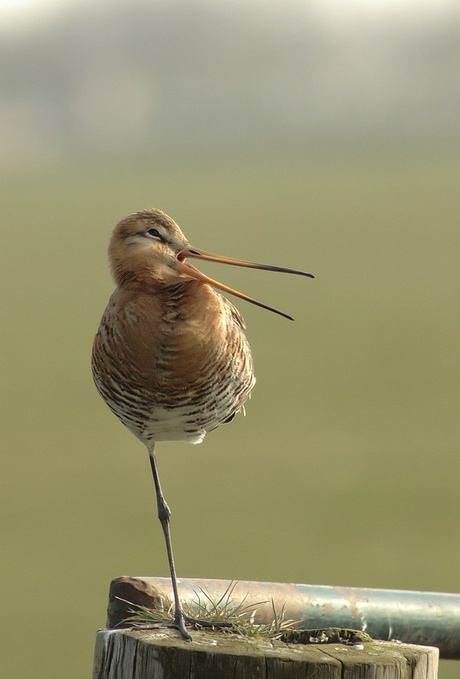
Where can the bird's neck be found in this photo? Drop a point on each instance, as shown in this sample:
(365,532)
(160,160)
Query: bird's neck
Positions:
(183,299)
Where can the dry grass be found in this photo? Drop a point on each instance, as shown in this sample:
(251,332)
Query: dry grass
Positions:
(223,613)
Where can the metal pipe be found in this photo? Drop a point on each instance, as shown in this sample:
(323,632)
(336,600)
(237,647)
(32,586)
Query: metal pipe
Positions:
(426,618)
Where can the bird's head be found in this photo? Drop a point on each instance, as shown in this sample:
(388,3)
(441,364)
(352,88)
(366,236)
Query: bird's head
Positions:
(149,246)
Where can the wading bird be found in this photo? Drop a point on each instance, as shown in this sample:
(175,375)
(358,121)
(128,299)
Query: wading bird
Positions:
(170,358)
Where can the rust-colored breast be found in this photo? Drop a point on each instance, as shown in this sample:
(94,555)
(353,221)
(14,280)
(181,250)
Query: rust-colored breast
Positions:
(174,362)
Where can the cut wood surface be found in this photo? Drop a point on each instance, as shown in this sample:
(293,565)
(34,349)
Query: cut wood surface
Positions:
(162,654)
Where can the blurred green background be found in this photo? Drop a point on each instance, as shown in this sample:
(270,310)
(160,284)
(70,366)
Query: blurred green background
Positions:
(344,471)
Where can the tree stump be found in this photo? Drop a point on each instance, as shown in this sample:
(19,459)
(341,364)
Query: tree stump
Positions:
(162,654)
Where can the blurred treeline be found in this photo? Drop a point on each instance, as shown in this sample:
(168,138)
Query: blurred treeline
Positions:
(114,76)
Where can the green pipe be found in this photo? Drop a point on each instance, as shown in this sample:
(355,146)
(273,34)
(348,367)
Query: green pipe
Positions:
(425,618)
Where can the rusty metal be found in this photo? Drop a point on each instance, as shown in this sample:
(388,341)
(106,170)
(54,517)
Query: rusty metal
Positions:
(425,618)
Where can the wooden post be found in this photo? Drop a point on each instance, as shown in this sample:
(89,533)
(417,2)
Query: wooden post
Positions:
(162,654)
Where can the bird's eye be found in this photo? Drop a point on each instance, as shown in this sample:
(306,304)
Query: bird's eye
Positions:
(154,233)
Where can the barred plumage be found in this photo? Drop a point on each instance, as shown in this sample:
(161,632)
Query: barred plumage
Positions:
(176,376)
(170,358)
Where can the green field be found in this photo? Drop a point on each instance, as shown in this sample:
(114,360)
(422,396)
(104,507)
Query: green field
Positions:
(345,470)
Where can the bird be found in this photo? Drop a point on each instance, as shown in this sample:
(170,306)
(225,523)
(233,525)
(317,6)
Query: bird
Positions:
(171,358)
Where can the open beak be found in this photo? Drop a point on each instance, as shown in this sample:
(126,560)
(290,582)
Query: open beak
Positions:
(191,271)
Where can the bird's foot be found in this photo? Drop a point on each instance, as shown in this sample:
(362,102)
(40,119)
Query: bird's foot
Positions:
(207,623)
(181,620)
(179,624)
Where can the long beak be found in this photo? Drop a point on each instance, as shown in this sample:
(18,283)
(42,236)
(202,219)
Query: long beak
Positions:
(191,271)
